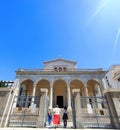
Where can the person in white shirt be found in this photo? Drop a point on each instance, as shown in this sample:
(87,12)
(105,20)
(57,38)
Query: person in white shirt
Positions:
(56,119)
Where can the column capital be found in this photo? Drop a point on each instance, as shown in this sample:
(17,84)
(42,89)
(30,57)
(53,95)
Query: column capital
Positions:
(35,84)
(85,85)
(44,90)
(75,90)
(51,84)
(68,84)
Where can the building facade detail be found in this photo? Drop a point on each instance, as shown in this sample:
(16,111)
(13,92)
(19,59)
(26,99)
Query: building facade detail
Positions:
(112,77)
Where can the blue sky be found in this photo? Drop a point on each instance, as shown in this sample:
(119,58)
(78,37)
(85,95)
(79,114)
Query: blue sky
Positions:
(35,31)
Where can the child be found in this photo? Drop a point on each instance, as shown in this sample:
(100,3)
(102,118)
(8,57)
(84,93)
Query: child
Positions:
(49,116)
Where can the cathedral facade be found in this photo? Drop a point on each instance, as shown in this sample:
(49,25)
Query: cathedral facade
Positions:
(60,77)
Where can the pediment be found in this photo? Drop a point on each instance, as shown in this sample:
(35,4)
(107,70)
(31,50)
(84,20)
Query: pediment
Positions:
(60,62)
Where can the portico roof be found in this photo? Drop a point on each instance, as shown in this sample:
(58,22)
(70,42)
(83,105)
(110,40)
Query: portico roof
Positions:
(61,59)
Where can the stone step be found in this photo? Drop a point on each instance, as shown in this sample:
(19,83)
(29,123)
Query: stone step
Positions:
(69,125)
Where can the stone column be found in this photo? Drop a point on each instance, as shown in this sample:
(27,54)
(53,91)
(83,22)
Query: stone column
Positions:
(16,94)
(33,94)
(99,91)
(51,96)
(78,122)
(16,87)
(69,96)
(86,90)
(86,94)
(41,123)
(99,101)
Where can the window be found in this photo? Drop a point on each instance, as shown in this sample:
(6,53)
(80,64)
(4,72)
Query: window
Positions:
(64,68)
(101,112)
(55,69)
(60,69)
(118,79)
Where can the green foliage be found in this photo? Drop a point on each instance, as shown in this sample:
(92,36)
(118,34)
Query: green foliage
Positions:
(3,84)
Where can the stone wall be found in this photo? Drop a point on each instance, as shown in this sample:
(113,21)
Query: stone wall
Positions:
(77,121)
(4,95)
(113,98)
(41,123)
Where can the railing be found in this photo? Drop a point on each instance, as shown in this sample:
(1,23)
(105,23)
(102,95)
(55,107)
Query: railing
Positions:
(95,112)
(22,113)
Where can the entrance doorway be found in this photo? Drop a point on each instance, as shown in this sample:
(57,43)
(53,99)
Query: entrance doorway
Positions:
(60,101)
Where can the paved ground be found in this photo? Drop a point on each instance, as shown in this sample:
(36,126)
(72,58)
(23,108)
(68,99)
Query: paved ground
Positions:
(69,127)
(47,129)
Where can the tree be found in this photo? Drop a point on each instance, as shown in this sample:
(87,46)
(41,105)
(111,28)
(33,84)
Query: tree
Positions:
(3,84)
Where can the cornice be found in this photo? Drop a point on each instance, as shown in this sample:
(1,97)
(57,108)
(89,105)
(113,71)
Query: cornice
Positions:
(59,73)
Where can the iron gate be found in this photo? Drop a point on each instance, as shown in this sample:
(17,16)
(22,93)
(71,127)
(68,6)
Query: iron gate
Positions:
(95,112)
(23,112)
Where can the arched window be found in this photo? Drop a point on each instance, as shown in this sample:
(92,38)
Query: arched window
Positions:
(55,68)
(118,79)
(64,69)
(22,98)
(60,69)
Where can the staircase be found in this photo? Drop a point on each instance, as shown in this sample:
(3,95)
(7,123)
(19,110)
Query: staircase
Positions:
(5,103)
(99,117)
(22,117)
(69,121)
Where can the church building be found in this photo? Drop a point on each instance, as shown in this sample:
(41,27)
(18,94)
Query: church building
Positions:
(92,96)
(60,77)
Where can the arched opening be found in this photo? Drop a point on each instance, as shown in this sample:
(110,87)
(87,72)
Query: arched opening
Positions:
(93,87)
(26,87)
(42,84)
(60,93)
(94,92)
(77,84)
(25,93)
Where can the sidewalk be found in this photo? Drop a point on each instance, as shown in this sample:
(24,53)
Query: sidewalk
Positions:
(48,129)
(69,127)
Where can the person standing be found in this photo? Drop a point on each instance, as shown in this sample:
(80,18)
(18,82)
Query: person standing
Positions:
(65,116)
(49,116)
(56,120)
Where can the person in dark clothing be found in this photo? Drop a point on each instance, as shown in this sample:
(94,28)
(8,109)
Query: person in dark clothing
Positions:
(65,116)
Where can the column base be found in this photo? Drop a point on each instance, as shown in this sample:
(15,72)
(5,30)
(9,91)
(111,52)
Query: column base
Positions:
(69,108)
(50,107)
